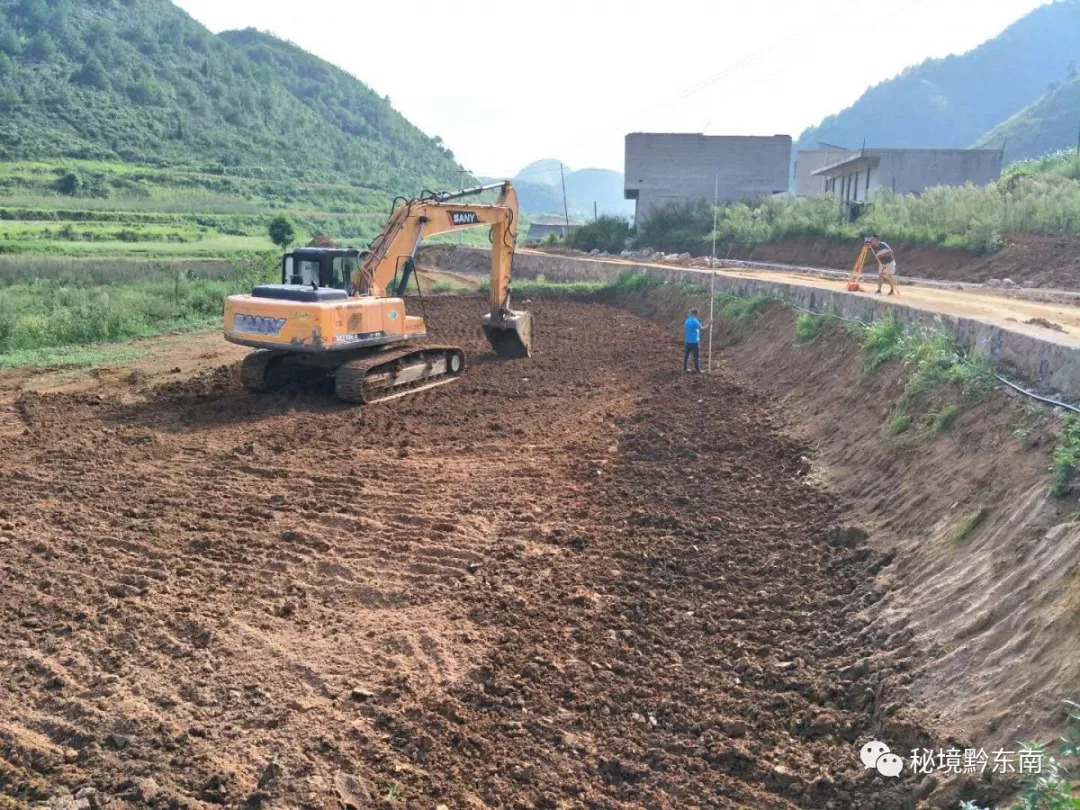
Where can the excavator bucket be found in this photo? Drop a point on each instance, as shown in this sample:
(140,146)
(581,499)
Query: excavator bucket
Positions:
(510,334)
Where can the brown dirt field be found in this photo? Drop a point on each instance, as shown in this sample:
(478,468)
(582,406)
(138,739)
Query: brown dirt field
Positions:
(1048,261)
(585,580)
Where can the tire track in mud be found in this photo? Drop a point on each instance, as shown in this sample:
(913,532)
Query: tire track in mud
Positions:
(581,580)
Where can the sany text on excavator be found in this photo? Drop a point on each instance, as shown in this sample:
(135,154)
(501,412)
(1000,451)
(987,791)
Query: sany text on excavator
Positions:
(340,314)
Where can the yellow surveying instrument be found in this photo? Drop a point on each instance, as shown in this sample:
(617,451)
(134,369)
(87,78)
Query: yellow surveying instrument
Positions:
(856,271)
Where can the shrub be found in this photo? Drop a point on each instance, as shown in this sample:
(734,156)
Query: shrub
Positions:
(607,234)
(900,423)
(677,228)
(807,328)
(882,343)
(742,307)
(630,282)
(69,183)
(1066,456)
(9,321)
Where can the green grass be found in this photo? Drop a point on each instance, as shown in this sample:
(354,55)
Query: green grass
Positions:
(807,328)
(944,419)
(540,286)
(444,286)
(1065,458)
(932,357)
(638,283)
(742,307)
(27,269)
(900,424)
(45,314)
(881,343)
(69,356)
(967,526)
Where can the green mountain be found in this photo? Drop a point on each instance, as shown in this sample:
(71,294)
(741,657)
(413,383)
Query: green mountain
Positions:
(603,187)
(1049,124)
(544,172)
(141,81)
(539,187)
(952,102)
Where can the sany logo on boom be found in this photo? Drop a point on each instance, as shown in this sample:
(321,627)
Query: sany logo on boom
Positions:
(463,218)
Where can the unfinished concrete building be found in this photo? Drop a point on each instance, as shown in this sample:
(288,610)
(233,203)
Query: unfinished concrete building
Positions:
(856,177)
(808,161)
(663,168)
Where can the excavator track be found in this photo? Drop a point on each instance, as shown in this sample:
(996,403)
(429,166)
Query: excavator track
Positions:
(262,372)
(397,372)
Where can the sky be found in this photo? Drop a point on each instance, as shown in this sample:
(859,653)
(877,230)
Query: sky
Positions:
(505,84)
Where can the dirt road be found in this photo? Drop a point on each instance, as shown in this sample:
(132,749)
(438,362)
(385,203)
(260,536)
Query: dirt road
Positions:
(1056,322)
(1009,313)
(581,580)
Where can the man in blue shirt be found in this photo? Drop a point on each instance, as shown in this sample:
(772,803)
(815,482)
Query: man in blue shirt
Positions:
(692,329)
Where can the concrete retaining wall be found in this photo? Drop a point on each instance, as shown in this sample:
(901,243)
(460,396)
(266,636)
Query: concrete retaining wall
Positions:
(1050,367)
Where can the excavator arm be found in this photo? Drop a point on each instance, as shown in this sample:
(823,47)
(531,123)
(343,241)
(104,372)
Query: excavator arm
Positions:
(393,254)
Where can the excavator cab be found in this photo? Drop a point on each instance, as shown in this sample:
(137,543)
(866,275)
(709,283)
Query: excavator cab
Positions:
(324,267)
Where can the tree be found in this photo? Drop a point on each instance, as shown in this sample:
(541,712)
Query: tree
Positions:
(92,74)
(42,47)
(282,232)
(9,41)
(69,183)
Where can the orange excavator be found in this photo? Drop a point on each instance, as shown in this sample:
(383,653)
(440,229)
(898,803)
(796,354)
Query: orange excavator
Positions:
(340,313)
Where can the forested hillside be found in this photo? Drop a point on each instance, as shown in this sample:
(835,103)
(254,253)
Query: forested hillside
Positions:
(951,102)
(1051,123)
(141,81)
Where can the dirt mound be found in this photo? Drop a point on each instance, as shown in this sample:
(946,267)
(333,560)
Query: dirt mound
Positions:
(582,580)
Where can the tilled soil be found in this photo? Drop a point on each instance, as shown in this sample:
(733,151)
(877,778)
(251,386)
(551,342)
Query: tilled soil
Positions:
(581,580)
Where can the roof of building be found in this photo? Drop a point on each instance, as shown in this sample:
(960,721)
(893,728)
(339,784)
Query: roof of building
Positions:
(848,161)
(873,157)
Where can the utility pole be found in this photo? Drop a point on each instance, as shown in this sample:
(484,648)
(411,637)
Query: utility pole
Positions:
(595,215)
(566,210)
(461,183)
(712,264)
(715,201)
(712,301)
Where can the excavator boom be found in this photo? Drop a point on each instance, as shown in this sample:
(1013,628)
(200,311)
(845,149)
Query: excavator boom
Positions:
(393,255)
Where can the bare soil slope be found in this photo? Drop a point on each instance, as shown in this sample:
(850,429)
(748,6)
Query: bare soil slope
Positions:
(582,580)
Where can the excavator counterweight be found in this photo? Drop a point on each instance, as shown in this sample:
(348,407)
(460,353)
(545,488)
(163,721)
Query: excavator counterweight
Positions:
(339,313)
